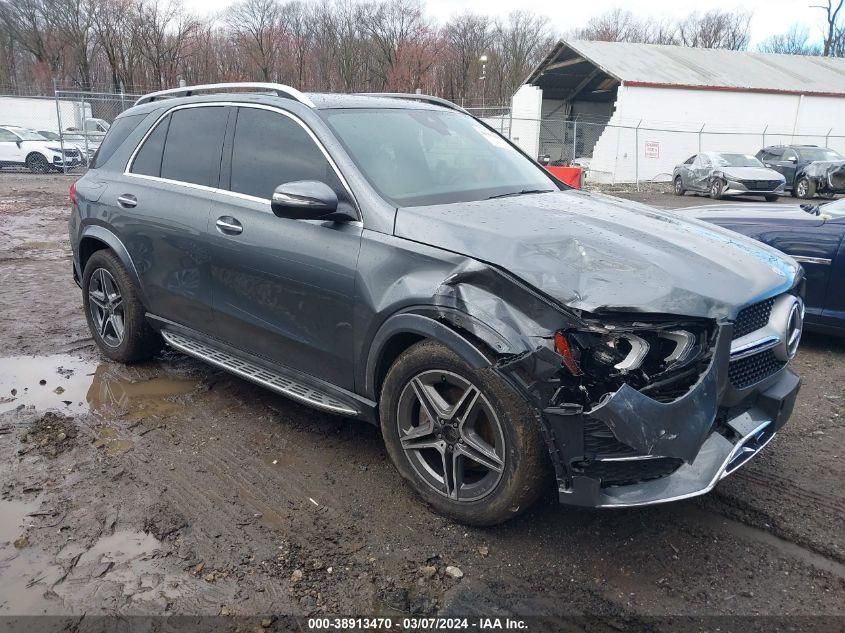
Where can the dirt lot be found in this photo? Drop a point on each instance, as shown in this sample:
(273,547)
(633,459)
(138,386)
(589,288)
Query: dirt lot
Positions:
(173,488)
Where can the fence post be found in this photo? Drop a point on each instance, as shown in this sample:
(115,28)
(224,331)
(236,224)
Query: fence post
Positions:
(699,137)
(84,128)
(827,138)
(764,134)
(59,123)
(510,123)
(637,153)
(574,138)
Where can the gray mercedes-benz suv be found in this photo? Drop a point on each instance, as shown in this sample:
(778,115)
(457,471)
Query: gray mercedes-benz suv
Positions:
(393,259)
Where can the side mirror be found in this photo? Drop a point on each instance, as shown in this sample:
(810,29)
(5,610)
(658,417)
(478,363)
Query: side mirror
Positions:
(307,200)
(792,159)
(18,143)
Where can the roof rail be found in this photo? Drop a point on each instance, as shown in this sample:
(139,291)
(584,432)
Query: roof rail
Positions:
(416,97)
(186,91)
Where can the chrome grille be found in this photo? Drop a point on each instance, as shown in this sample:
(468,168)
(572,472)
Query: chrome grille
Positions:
(753,317)
(761,185)
(750,370)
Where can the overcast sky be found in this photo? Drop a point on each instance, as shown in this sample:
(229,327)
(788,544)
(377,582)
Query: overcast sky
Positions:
(770,16)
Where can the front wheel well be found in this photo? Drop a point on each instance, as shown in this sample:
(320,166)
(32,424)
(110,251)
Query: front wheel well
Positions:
(390,352)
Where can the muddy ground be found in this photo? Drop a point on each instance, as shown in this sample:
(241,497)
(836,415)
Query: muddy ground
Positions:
(173,488)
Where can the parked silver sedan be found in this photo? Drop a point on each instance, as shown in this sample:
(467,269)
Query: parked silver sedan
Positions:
(721,174)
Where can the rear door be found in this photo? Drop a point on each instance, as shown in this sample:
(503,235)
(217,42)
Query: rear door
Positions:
(701,168)
(9,150)
(283,289)
(161,206)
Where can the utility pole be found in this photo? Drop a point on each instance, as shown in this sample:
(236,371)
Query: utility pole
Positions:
(483,60)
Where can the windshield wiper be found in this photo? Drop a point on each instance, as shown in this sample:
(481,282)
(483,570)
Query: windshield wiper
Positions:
(520,193)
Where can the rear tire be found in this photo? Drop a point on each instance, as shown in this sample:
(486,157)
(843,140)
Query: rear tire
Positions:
(679,186)
(498,424)
(37,163)
(114,313)
(805,188)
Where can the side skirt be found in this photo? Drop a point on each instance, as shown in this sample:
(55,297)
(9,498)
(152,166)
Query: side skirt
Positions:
(283,380)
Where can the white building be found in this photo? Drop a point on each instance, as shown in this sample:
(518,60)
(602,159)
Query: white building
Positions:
(637,110)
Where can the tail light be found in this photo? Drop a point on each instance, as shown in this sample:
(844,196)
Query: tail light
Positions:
(73,193)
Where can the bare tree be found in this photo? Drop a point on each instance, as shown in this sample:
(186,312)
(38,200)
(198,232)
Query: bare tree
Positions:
(833,37)
(256,25)
(163,31)
(521,41)
(795,41)
(716,29)
(466,37)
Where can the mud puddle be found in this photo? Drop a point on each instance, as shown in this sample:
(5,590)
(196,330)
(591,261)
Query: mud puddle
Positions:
(73,385)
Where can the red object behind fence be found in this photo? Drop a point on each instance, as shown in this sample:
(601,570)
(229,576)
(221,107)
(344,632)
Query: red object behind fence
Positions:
(572,176)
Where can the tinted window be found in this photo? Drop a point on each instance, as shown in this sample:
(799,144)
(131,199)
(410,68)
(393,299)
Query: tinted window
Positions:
(819,153)
(789,154)
(194,144)
(271,149)
(690,160)
(148,159)
(6,136)
(774,153)
(117,134)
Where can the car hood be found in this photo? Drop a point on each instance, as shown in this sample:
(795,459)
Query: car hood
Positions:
(751,173)
(592,252)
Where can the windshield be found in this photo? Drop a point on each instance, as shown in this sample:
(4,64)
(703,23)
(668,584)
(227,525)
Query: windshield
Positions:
(819,153)
(421,157)
(29,135)
(735,160)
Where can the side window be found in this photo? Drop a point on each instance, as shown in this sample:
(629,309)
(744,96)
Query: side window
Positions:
(6,136)
(704,161)
(690,160)
(118,132)
(148,159)
(194,145)
(789,154)
(774,154)
(270,149)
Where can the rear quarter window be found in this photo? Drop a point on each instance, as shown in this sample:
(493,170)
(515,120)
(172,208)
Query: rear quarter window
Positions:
(118,133)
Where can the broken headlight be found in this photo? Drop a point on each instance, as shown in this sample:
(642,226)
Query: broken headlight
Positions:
(639,354)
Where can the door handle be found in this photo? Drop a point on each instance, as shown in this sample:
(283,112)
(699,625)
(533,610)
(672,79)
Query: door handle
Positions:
(127,200)
(228,225)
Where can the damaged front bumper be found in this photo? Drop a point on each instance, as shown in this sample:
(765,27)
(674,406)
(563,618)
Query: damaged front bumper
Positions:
(632,450)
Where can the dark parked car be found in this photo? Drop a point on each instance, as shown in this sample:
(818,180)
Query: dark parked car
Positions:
(808,169)
(721,174)
(813,235)
(393,259)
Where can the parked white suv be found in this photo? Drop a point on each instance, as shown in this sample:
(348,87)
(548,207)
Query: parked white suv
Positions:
(22,146)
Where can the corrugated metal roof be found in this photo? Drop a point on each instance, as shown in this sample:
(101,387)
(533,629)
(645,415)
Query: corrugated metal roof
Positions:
(680,66)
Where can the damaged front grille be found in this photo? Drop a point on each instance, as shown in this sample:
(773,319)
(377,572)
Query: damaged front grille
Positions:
(748,371)
(761,185)
(600,440)
(753,317)
(625,473)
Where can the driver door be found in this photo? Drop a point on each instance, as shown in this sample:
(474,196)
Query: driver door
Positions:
(283,289)
(9,150)
(701,169)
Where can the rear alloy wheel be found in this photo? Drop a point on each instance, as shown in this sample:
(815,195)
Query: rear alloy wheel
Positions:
(466,442)
(716,188)
(115,315)
(37,164)
(679,186)
(805,188)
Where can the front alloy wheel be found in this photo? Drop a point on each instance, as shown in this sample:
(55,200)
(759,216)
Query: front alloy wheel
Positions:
(716,189)
(467,443)
(805,188)
(451,435)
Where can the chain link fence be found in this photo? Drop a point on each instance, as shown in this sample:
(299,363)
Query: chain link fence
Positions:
(73,123)
(60,132)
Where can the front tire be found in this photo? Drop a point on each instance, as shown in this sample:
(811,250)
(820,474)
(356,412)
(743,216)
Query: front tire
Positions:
(37,163)
(114,313)
(679,186)
(464,440)
(805,188)
(716,189)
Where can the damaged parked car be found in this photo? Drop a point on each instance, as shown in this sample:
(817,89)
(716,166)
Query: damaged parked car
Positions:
(394,259)
(808,169)
(721,174)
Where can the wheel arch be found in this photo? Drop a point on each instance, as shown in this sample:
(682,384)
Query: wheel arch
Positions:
(96,238)
(403,330)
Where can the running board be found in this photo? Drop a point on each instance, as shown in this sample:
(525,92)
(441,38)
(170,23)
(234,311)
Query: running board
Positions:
(266,378)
